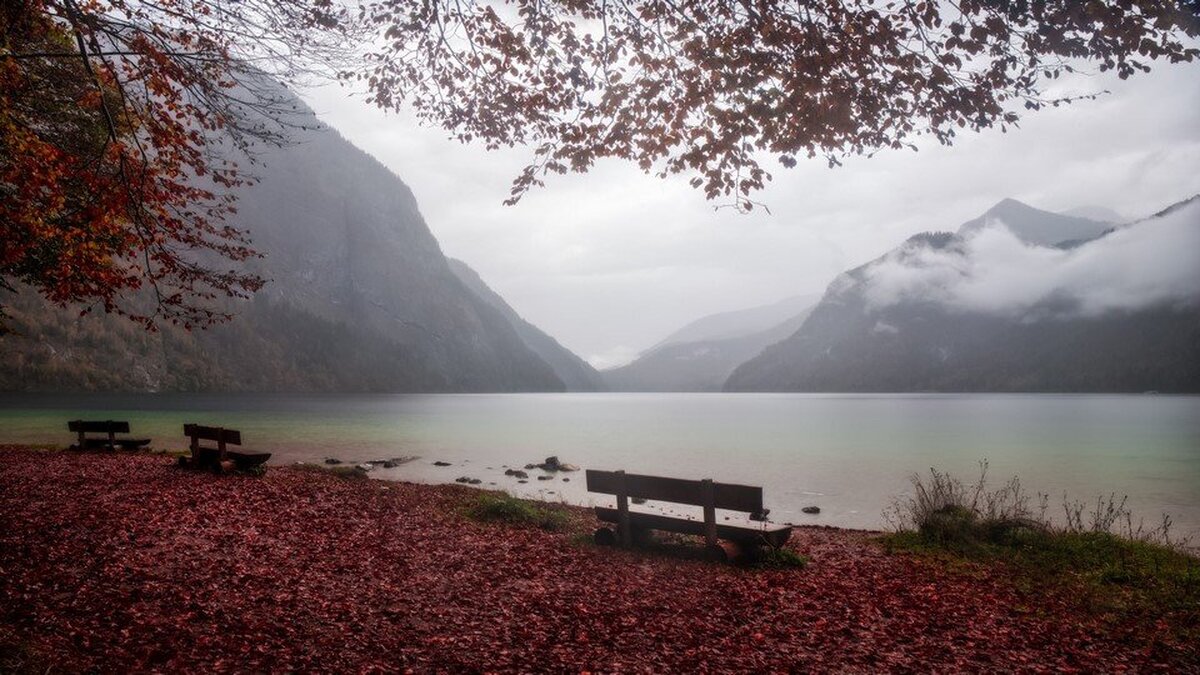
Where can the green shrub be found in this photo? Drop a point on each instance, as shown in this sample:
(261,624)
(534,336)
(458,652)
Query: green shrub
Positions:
(779,559)
(349,472)
(1114,562)
(493,507)
(950,525)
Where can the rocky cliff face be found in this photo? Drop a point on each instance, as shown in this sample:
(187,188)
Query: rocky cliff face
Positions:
(361,299)
(576,374)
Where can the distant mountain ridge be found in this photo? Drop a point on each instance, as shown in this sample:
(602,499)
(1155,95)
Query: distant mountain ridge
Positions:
(576,374)
(1034,226)
(739,323)
(361,298)
(1100,214)
(917,342)
(701,355)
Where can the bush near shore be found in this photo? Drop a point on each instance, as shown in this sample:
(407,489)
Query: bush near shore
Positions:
(1121,568)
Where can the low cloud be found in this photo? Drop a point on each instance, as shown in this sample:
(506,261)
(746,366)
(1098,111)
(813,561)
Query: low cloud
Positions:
(613,358)
(1154,262)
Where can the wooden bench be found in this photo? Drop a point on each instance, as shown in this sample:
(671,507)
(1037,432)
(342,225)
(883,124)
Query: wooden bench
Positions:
(219,458)
(703,493)
(110,429)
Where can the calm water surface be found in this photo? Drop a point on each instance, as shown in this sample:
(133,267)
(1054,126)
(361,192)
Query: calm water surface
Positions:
(847,454)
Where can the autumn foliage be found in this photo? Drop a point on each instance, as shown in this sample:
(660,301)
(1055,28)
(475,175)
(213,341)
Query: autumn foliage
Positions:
(713,89)
(124,563)
(122,123)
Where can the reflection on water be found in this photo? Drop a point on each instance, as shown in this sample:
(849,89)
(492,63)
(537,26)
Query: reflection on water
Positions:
(847,454)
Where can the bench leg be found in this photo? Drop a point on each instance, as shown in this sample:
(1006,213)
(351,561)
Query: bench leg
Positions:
(604,536)
(623,528)
(710,513)
(730,551)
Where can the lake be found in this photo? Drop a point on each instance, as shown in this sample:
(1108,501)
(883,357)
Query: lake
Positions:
(847,454)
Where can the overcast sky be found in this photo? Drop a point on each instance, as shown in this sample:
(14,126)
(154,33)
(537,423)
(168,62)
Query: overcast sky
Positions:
(611,261)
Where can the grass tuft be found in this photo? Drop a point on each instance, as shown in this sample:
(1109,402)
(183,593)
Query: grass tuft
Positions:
(495,507)
(779,559)
(349,472)
(1114,564)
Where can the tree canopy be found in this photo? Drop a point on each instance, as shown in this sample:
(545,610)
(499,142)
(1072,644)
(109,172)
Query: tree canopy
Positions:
(121,120)
(708,88)
(121,125)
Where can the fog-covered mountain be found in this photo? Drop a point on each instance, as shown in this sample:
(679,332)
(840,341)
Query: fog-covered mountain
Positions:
(361,298)
(1034,226)
(1017,300)
(741,322)
(701,355)
(576,374)
(1100,214)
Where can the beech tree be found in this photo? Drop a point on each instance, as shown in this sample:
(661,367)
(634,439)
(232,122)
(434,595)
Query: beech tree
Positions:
(712,88)
(121,127)
(121,120)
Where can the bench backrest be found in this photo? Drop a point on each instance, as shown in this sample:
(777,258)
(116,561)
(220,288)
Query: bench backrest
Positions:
(219,434)
(677,490)
(105,427)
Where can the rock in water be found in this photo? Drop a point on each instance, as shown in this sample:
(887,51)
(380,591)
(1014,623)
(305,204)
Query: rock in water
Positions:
(811,509)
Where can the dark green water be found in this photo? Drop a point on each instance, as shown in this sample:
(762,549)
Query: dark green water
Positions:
(848,454)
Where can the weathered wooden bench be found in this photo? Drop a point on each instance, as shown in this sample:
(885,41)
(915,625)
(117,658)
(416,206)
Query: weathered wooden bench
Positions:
(110,429)
(219,458)
(707,494)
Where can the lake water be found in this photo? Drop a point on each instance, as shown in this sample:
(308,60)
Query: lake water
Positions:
(847,454)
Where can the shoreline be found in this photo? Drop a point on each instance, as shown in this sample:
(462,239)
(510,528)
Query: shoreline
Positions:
(121,562)
(857,453)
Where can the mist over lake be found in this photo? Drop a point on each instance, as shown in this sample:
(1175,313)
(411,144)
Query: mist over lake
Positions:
(847,454)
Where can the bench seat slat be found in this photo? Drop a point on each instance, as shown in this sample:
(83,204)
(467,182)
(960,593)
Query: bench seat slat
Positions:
(243,459)
(230,436)
(677,490)
(248,459)
(769,533)
(98,427)
(127,443)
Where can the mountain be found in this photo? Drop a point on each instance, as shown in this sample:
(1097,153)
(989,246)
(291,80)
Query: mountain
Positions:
(575,373)
(361,298)
(701,355)
(1098,213)
(1034,226)
(739,323)
(1005,305)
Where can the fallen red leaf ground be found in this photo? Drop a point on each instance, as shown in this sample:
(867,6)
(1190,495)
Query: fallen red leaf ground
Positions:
(124,563)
